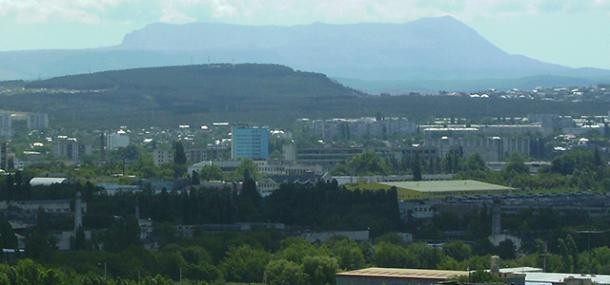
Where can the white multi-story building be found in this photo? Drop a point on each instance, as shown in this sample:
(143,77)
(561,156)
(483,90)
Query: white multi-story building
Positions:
(65,147)
(2,154)
(38,121)
(163,156)
(6,125)
(341,128)
(117,140)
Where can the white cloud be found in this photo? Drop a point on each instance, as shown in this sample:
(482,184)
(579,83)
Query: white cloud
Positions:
(41,11)
(289,11)
(172,14)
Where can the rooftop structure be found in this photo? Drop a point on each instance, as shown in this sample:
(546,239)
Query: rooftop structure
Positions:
(375,275)
(47,181)
(441,187)
(536,276)
(561,278)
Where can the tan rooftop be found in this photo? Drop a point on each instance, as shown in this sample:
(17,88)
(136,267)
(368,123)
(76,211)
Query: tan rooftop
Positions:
(404,273)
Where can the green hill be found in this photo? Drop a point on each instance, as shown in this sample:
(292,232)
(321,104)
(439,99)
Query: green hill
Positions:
(248,93)
(204,82)
(176,94)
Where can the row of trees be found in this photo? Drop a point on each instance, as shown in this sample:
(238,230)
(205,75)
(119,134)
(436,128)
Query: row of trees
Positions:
(267,257)
(322,206)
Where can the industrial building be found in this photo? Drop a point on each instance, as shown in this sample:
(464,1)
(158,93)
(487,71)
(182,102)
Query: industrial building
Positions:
(396,276)
(519,275)
(449,187)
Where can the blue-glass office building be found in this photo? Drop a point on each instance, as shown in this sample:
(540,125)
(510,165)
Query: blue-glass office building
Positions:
(250,143)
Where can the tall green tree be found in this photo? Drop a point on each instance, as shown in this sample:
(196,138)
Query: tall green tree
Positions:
(210,172)
(245,264)
(179,159)
(284,272)
(7,235)
(416,168)
(320,269)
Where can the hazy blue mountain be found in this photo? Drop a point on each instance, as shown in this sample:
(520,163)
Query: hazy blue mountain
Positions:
(429,48)
(426,50)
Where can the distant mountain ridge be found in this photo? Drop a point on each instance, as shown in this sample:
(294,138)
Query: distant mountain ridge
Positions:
(428,50)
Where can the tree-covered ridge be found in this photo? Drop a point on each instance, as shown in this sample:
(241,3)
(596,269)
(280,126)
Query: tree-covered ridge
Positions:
(205,82)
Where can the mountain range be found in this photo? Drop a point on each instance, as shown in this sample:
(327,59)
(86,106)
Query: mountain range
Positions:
(376,57)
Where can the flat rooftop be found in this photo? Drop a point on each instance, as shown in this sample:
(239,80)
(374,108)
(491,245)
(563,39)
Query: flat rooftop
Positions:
(446,186)
(550,278)
(404,273)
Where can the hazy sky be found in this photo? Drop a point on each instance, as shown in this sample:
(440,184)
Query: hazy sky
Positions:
(569,32)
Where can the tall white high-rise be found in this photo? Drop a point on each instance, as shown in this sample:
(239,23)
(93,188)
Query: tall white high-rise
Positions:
(117,140)
(6,125)
(38,121)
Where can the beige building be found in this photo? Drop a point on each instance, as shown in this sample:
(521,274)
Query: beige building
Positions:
(396,276)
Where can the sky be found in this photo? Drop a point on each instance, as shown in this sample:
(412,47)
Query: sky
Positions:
(574,33)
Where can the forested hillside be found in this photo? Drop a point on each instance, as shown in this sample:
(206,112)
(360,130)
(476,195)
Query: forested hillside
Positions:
(251,93)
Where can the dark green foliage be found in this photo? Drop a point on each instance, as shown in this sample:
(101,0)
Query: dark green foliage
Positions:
(250,205)
(416,168)
(327,206)
(457,250)
(475,163)
(124,233)
(348,253)
(284,272)
(367,163)
(506,249)
(7,235)
(211,172)
(39,243)
(79,242)
(516,165)
(296,249)
(179,160)
(320,269)
(481,277)
(195,178)
(245,264)
(179,155)
(246,92)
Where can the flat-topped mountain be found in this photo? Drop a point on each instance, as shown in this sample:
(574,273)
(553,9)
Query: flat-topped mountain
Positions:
(409,56)
(429,48)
